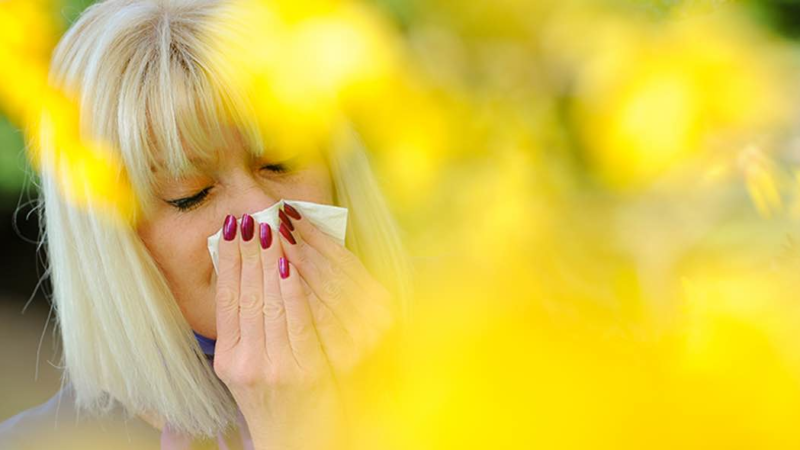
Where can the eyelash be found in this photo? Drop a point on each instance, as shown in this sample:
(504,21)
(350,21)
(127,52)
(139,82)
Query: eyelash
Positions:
(189,203)
(278,167)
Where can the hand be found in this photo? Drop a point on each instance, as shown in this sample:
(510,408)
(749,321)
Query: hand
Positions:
(267,350)
(352,311)
(353,314)
(281,339)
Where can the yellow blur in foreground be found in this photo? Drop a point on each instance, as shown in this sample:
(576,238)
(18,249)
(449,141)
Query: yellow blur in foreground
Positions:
(87,171)
(652,96)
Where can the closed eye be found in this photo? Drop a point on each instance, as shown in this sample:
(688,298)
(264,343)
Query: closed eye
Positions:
(188,203)
(287,165)
(277,167)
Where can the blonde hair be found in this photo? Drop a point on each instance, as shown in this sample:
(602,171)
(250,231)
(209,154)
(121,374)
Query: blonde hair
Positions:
(150,86)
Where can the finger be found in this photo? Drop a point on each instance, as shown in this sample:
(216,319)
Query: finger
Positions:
(227,290)
(339,255)
(299,322)
(354,296)
(276,337)
(334,289)
(376,303)
(251,294)
(337,343)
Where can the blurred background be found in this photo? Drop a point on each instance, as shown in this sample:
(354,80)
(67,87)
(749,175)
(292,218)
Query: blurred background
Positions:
(600,197)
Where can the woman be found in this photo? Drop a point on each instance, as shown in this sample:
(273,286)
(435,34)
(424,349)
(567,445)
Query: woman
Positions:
(293,313)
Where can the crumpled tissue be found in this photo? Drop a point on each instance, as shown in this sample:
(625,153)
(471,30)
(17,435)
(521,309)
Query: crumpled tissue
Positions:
(331,220)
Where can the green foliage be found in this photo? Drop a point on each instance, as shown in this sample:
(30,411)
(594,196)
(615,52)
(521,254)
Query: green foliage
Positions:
(13,163)
(73,8)
(781,15)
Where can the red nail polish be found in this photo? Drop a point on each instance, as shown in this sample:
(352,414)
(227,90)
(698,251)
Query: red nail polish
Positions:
(265,233)
(285,219)
(248,227)
(283,267)
(291,211)
(287,234)
(229,228)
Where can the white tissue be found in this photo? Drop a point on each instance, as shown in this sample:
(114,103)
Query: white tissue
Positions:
(331,220)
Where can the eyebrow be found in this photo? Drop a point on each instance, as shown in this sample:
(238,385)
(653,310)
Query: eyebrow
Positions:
(195,163)
(198,165)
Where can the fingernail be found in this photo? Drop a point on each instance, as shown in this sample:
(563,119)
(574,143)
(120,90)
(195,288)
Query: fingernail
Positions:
(291,211)
(265,233)
(285,219)
(283,267)
(229,229)
(287,234)
(247,227)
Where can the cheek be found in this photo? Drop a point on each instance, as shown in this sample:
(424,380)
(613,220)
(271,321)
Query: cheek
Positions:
(181,253)
(314,185)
